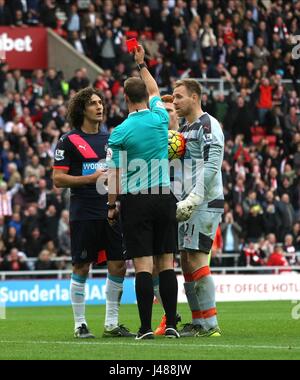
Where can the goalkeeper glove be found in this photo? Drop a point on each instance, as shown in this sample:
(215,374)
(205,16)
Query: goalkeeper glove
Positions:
(186,208)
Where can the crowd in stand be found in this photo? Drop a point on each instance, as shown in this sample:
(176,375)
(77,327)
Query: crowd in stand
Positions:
(248,44)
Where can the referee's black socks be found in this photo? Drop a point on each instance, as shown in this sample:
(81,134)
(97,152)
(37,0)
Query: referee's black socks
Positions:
(144,295)
(168,288)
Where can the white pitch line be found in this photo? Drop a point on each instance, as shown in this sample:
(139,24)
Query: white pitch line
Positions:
(149,344)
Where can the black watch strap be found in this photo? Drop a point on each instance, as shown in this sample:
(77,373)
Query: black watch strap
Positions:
(141,66)
(111,207)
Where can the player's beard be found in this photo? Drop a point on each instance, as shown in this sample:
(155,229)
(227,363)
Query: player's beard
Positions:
(185,111)
(190,109)
(182,112)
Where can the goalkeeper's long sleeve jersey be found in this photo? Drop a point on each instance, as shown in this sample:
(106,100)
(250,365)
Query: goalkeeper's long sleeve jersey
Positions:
(202,173)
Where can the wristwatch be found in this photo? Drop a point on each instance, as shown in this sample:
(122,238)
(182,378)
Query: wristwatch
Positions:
(141,66)
(111,207)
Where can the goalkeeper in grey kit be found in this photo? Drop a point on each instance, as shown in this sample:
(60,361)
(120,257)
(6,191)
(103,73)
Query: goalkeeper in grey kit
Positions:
(200,210)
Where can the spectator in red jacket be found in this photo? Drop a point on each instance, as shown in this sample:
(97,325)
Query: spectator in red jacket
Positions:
(217,249)
(264,104)
(277,259)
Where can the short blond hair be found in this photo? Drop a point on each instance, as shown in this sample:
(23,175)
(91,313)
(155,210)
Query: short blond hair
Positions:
(193,86)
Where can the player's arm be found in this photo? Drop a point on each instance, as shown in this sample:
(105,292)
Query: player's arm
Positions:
(114,189)
(62,179)
(156,105)
(61,168)
(211,167)
(206,173)
(114,185)
(114,163)
(146,76)
(186,207)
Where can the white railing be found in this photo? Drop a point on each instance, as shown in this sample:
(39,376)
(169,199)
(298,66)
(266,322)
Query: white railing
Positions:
(59,274)
(54,259)
(65,274)
(224,86)
(219,256)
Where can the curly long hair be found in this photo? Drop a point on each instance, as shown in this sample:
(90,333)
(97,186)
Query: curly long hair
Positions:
(78,104)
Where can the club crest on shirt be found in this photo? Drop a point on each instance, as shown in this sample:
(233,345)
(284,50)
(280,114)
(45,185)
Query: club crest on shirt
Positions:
(59,155)
(207,137)
(109,154)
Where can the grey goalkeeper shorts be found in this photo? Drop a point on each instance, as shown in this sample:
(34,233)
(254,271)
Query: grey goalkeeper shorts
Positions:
(198,233)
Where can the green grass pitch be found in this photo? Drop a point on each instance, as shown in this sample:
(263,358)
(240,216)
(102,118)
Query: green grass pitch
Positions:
(251,330)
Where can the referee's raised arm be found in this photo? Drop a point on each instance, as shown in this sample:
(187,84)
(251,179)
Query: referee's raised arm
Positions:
(145,74)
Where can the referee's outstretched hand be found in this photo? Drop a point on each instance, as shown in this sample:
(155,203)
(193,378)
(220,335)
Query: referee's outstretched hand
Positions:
(139,55)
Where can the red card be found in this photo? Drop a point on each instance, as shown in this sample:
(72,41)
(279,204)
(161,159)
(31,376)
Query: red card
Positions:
(132,44)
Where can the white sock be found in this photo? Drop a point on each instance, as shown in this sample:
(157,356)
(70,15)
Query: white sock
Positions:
(114,291)
(77,292)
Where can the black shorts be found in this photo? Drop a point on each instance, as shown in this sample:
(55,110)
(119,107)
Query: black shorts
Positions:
(89,237)
(149,224)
